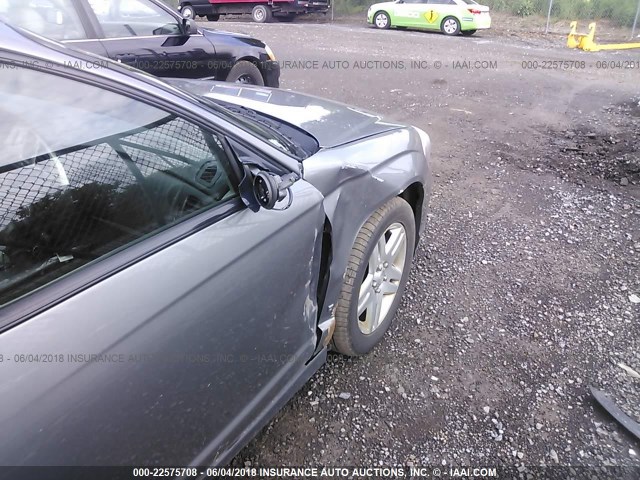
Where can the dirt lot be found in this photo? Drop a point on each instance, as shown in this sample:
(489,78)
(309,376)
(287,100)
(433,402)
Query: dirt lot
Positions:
(522,293)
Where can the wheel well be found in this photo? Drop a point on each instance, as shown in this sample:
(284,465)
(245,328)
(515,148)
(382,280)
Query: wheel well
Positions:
(326,257)
(325,262)
(414,196)
(450,16)
(381,11)
(253,60)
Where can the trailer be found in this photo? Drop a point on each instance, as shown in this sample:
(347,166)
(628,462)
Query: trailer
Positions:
(262,11)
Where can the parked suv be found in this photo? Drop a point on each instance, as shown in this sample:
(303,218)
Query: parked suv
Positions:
(261,11)
(148,35)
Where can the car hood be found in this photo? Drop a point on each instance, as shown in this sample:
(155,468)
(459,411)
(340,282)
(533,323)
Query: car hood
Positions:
(330,123)
(216,36)
(208,32)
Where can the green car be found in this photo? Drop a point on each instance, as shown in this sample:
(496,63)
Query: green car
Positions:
(451,17)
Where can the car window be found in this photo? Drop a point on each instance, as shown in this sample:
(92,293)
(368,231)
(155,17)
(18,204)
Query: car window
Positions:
(55,19)
(86,172)
(133,18)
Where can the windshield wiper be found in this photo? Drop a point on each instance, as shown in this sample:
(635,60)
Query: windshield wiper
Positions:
(258,121)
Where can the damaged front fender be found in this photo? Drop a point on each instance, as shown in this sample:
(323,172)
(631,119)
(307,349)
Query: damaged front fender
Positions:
(356,179)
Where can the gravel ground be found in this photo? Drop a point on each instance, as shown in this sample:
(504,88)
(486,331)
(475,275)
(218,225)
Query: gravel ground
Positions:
(525,289)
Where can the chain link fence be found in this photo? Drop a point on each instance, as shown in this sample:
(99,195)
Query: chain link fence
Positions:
(63,210)
(620,13)
(165,146)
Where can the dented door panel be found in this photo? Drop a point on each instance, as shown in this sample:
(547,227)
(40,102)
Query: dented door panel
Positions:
(214,327)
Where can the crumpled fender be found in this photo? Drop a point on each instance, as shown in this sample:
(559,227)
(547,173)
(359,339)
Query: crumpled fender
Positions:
(358,178)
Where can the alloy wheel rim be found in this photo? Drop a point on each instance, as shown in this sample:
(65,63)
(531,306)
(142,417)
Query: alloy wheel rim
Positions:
(382,278)
(245,79)
(259,14)
(381,21)
(450,26)
(186,13)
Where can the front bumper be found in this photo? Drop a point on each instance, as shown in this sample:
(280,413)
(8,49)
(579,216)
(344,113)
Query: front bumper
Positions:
(271,73)
(428,182)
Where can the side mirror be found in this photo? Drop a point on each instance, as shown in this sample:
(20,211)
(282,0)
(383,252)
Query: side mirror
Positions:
(259,188)
(270,189)
(189,26)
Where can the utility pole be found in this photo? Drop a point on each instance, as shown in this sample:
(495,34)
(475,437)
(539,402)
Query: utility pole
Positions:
(635,22)
(549,15)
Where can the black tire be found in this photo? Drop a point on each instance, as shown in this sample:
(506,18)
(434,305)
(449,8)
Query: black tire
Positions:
(468,33)
(381,20)
(348,338)
(444,26)
(245,72)
(261,14)
(187,11)
(213,17)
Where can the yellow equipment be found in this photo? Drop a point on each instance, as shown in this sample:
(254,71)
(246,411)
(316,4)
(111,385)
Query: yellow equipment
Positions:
(586,41)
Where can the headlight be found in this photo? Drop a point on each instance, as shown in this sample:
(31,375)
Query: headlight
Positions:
(270,53)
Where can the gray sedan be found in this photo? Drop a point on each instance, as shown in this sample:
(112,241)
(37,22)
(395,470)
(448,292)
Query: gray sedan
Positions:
(176,259)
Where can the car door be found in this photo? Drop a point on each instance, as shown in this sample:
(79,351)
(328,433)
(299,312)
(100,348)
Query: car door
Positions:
(61,20)
(146,35)
(146,315)
(434,11)
(406,13)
